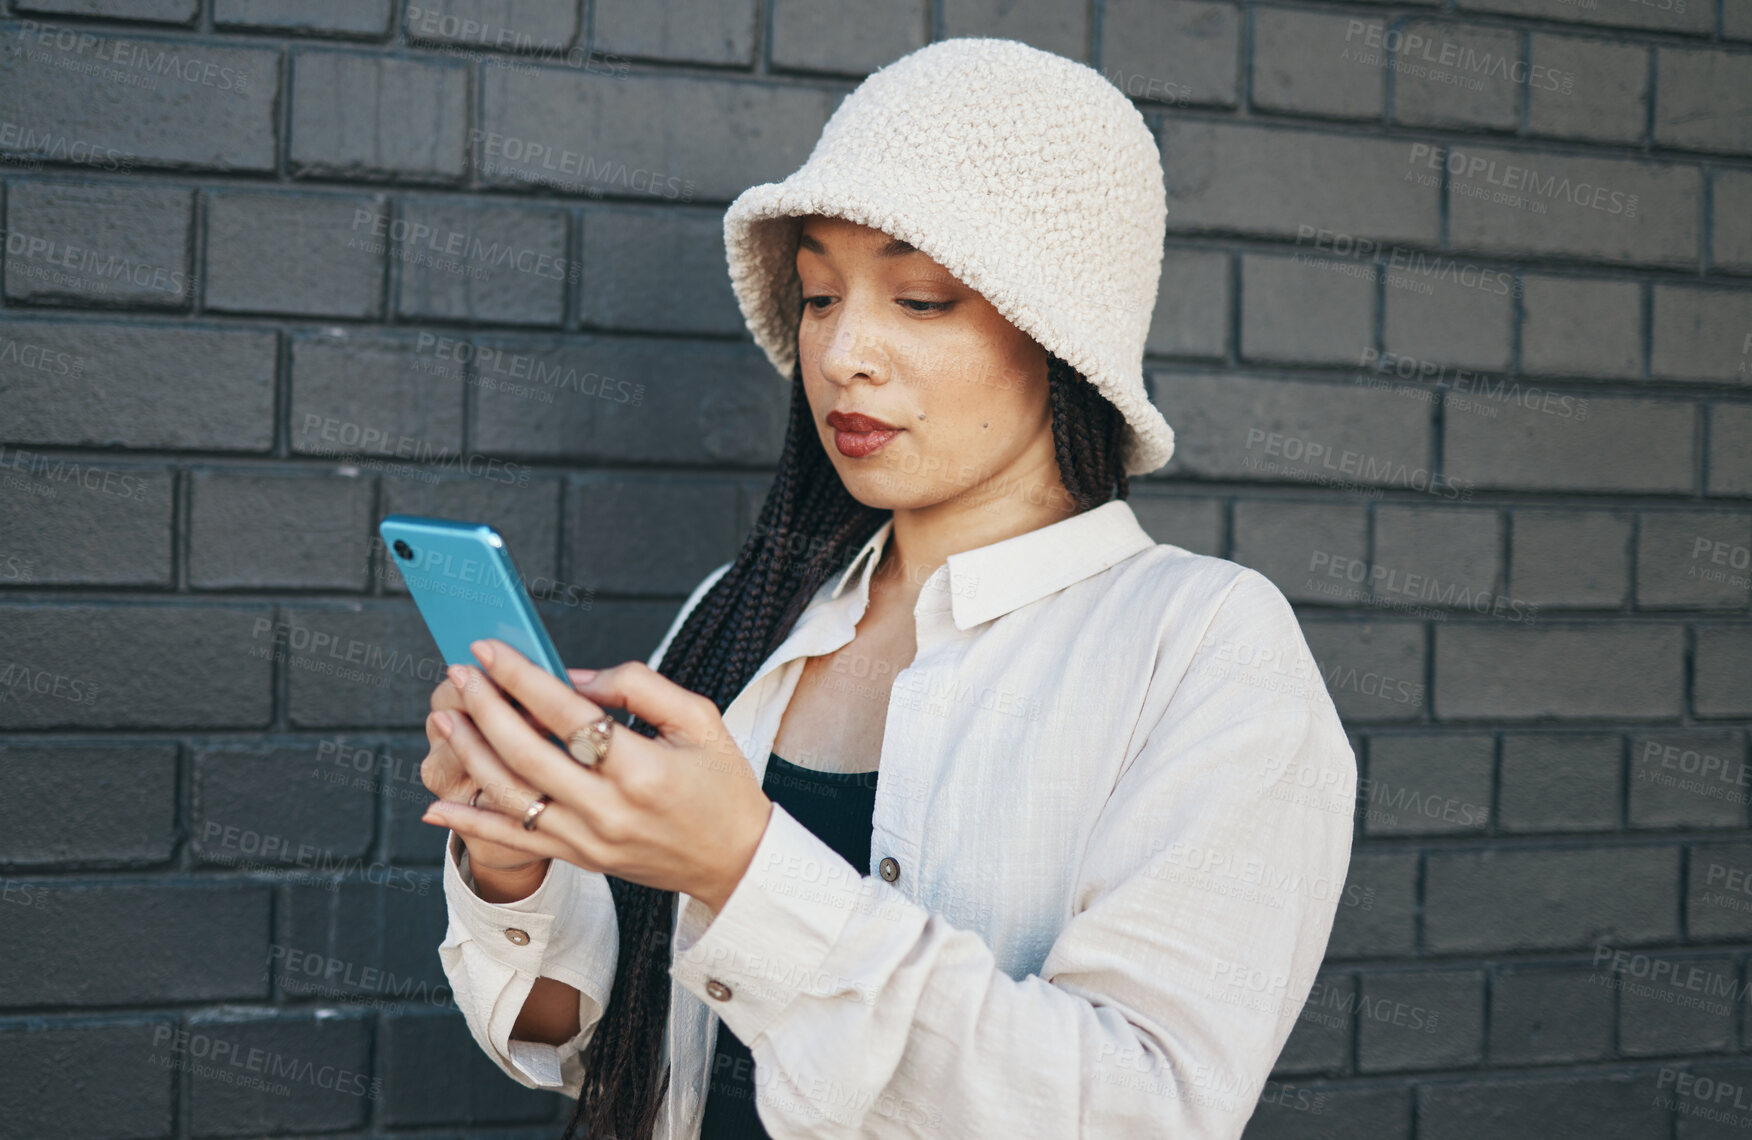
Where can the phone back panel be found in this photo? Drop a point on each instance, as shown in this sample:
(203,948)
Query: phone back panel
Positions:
(463,580)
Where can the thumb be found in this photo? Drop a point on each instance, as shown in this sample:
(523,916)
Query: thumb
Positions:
(642,691)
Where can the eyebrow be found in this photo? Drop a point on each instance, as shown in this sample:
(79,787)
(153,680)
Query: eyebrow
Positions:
(894,247)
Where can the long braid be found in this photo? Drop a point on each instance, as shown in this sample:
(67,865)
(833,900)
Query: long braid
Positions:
(809,528)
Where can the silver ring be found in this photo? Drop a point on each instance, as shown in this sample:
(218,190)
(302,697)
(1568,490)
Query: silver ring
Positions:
(590,744)
(473,800)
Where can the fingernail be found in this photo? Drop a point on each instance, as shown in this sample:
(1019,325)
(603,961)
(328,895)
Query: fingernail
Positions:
(585,674)
(483,651)
(442,720)
(458,676)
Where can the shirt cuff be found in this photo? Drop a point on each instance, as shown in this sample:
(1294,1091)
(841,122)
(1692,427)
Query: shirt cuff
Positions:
(766,947)
(514,934)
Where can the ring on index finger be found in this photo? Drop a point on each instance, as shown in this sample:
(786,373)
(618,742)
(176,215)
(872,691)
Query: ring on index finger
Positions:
(590,744)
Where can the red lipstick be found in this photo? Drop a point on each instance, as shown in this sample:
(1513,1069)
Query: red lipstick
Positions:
(857,435)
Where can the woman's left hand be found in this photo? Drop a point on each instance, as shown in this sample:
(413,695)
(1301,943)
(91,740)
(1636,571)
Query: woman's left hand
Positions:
(678,812)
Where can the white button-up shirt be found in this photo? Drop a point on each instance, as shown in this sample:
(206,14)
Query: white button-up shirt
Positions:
(1112,827)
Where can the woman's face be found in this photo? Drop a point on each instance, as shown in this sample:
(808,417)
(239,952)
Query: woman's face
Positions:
(889,334)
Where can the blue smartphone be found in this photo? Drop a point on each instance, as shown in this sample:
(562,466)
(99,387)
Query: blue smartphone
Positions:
(467,588)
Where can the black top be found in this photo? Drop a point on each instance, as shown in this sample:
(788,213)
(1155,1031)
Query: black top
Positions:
(839,808)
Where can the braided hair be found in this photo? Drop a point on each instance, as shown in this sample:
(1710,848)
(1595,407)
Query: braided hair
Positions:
(809,528)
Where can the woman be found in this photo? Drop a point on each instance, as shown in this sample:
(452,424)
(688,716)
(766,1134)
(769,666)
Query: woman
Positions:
(955,804)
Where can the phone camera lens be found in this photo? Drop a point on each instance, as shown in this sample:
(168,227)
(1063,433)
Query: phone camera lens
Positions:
(404,550)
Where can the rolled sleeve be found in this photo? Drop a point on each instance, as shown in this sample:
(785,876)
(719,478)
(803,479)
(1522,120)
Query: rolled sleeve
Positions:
(770,942)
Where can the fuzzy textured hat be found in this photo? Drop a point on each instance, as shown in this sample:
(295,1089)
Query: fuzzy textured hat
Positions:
(1027,175)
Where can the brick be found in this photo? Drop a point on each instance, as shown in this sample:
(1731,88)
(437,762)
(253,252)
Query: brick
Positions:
(366,19)
(656,270)
(1373,671)
(1702,334)
(414,922)
(1058,28)
(1333,1112)
(1693,559)
(1500,900)
(645,559)
(396,397)
(1688,779)
(255,530)
(1560,782)
(215,684)
(1298,309)
(1573,326)
(1731,219)
(1610,1107)
(138,385)
(1703,99)
(1191,524)
(1314,63)
(274,805)
(1730,449)
(618,399)
(1439,556)
(104,246)
(516,25)
(1170,51)
(182,944)
(1270,181)
(1722,664)
(674,31)
(1570,558)
(1384,924)
(1238,426)
(1736,20)
(141,110)
(372,667)
(156,11)
(1600,209)
(1459,76)
(124,812)
(297,254)
(496,263)
(45,1078)
(1427,1019)
(1429,785)
(86,524)
(526,516)
(1620,445)
(1498,671)
(1191,317)
(1718,901)
(407,841)
(325,941)
(1310,551)
(323,1061)
(358,116)
(1658,16)
(670,138)
(1541,1015)
(1587,89)
(850,39)
(1320,1041)
(1451,322)
(1687,1011)
(434,1073)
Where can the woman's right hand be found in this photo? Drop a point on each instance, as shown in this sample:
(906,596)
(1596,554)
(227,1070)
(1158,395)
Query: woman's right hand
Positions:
(446,777)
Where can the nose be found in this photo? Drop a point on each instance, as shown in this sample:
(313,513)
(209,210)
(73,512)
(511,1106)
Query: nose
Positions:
(854,350)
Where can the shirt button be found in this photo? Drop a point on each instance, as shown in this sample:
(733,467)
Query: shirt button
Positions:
(718,990)
(518,937)
(890,869)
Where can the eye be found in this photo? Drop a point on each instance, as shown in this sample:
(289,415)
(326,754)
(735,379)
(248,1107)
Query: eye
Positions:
(926,306)
(809,302)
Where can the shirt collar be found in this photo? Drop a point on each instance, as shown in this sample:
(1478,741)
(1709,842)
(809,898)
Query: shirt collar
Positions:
(989,581)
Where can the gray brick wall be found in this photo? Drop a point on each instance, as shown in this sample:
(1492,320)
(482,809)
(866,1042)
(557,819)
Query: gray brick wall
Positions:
(1455,328)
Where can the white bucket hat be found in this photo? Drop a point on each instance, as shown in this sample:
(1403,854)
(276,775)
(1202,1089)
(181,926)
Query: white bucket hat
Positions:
(1027,175)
